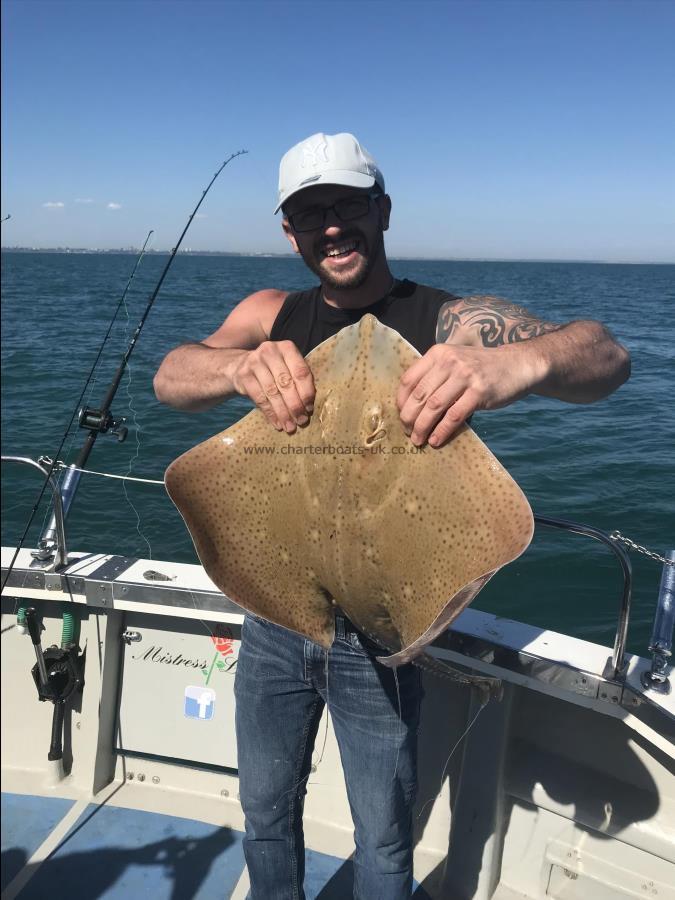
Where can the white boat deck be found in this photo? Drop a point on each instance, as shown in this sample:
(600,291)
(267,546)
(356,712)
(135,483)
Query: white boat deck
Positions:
(563,789)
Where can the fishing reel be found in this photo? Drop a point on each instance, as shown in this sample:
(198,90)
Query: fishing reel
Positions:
(101,421)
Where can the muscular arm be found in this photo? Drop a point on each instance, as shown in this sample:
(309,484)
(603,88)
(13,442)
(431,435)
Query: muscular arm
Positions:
(239,358)
(198,375)
(490,353)
(579,362)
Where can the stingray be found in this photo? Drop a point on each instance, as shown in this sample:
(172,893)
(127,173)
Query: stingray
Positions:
(347,513)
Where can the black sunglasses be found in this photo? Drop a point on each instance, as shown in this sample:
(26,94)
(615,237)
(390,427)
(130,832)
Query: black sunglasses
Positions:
(349,208)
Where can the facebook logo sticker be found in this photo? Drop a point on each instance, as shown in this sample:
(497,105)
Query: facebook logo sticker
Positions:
(199,702)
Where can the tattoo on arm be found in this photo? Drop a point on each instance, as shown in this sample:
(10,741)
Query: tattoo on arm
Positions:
(495,321)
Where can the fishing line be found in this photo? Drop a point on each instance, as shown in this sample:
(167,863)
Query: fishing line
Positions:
(105,410)
(93,376)
(295,787)
(325,731)
(313,765)
(76,409)
(137,433)
(394,672)
(130,467)
(90,380)
(209,631)
(447,762)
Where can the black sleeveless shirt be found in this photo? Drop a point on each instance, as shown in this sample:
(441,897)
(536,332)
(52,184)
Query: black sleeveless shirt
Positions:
(411,309)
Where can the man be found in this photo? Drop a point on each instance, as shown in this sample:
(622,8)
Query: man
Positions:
(477,353)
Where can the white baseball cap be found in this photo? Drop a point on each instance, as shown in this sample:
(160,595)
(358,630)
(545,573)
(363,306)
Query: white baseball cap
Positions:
(326,159)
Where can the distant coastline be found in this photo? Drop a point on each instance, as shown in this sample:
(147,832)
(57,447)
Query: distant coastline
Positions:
(134,251)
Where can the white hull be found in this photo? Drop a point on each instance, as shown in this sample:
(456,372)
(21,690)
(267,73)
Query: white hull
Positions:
(563,789)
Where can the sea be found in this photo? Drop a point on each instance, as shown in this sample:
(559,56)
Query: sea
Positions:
(610,465)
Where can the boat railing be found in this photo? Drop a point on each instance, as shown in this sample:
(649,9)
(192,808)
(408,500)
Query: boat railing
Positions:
(52,554)
(617,662)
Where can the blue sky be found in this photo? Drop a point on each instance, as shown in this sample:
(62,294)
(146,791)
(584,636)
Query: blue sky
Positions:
(524,130)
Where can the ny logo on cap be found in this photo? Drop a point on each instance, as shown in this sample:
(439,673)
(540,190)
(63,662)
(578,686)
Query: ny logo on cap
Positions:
(310,153)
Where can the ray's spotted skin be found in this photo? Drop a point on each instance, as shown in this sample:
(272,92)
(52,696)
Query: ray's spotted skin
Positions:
(346,512)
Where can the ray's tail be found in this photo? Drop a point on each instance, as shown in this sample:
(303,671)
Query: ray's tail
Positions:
(488,688)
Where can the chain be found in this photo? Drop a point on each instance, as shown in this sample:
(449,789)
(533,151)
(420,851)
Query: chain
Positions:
(617,536)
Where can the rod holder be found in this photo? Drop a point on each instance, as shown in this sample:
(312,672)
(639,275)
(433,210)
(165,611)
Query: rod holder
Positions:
(660,645)
(68,489)
(56,548)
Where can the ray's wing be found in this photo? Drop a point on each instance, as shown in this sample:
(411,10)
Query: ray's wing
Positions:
(420,531)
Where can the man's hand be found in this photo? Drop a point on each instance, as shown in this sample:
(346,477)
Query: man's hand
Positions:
(278,380)
(490,353)
(449,383)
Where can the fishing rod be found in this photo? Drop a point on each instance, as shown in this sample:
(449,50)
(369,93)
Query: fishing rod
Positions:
(100,420)
(54,534)
(71,479)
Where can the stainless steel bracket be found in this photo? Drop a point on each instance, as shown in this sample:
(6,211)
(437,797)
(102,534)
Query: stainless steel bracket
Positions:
(48,550)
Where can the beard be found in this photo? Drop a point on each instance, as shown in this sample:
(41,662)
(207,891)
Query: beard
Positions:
(355,275)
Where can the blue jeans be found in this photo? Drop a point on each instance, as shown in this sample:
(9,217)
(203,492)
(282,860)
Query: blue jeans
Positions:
(281,691)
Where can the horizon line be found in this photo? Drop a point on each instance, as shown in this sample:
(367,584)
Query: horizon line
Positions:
(263,254)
